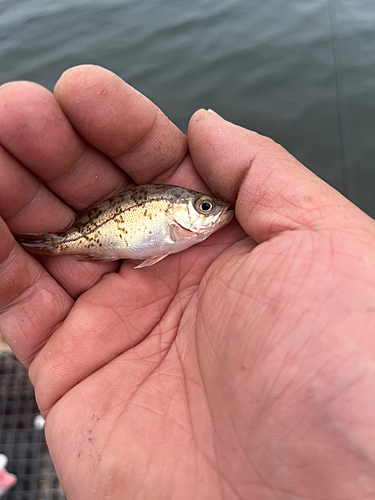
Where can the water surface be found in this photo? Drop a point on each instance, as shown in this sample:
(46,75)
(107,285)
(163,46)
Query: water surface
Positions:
(300,71)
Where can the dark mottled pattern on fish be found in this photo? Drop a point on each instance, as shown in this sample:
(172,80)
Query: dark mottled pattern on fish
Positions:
(112,208)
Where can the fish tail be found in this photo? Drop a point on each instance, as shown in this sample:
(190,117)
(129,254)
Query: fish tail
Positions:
(46,243)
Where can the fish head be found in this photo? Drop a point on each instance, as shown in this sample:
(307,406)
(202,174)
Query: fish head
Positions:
(201,214)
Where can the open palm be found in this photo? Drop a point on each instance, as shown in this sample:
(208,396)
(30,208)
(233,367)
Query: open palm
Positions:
(240,368)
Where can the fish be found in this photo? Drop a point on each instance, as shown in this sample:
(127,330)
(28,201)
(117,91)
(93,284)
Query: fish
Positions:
(145,223)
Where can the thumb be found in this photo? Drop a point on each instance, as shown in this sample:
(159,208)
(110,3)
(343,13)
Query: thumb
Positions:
(272,191)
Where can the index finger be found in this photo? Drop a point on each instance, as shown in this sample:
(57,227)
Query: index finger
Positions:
(121,122)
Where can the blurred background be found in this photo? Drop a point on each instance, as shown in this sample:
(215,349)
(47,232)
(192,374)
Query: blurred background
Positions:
(22,438)
(299,71)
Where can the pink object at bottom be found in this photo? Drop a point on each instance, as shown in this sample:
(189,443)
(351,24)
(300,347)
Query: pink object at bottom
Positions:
(6,480)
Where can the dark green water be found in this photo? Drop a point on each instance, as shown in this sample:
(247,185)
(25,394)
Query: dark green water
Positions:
(300,71)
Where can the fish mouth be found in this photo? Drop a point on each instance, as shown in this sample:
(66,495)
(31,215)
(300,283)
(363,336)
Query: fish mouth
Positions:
(224,217)
(217,222)
(220,220)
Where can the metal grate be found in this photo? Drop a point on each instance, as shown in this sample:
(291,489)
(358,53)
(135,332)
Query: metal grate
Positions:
(22,442)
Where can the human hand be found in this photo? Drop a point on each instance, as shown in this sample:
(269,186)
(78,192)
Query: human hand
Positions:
(239,368)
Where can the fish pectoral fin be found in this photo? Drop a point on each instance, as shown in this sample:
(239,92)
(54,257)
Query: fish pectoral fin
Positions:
(152,260)
(97,258)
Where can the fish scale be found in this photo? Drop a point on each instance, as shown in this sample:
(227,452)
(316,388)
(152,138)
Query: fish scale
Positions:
(146,222)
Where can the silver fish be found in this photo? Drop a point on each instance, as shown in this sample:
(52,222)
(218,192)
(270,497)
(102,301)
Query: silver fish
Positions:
(147,222)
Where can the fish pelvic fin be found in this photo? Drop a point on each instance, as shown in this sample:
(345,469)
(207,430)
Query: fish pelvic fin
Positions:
(45,244)
(152,260)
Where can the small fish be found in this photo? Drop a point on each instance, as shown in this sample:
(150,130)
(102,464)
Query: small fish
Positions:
(147,223)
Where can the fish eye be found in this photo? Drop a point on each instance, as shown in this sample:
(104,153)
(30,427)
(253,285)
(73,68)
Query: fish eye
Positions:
(205,204)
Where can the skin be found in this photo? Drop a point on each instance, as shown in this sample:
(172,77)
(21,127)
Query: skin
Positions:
(240,368)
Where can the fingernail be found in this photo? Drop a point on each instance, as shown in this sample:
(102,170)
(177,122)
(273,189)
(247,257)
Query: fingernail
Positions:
(7,84)
(214,113)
